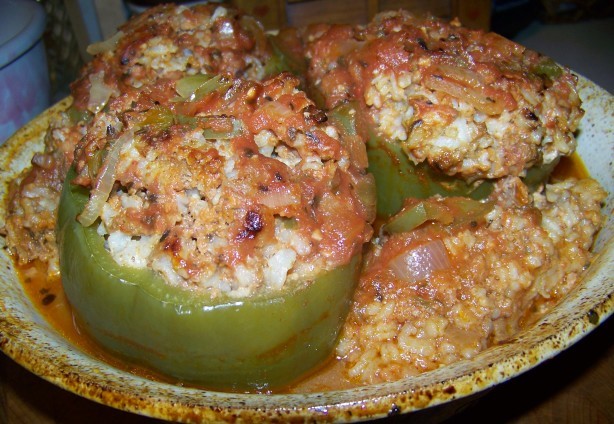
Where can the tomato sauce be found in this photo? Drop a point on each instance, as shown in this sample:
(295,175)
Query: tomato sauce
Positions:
(48,296)
(570,167)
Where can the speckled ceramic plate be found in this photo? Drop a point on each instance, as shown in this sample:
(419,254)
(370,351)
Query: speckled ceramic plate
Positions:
(27,338)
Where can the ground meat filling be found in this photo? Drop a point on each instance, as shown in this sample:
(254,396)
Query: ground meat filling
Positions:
(473,105)
(527,254)
(33,197)
(168,42)
(236,193)
(163,44)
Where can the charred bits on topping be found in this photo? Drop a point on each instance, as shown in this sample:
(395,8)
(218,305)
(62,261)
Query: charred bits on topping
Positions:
(128,55)
(48,299)
(417,123)
(253,224)
(313,113)
(530,115)
(311,136)
(292,133)
(172,244)
(164,235)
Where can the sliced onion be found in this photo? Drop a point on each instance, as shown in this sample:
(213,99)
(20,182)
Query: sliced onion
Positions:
(471,95)
(420,262)
(367,193)
(279,198)
(104,182)
(464,76)
(217,134)
(257,30)
(196,87)
(106,45)
(468,86)
(99,93)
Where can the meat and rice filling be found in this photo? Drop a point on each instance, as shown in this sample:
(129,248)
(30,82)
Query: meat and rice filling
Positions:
(169,42)
(480,280)
(473,105)
(235,192)
(164,43)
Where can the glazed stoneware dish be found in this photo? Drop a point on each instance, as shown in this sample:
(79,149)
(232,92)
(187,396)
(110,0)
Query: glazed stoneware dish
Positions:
(32,342)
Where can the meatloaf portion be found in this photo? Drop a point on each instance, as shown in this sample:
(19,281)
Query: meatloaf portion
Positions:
(472,104)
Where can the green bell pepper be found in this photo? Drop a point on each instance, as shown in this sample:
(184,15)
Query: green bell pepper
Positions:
(398,178)
(547,68)
(252,344)
(395,175)
(286,54)
(539,174)
(403,179)
(77,115)
(447,211)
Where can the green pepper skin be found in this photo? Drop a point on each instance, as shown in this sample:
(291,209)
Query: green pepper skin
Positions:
(250,344)
(539,174)
(392,169)
(403,179)
(76,115)
(417,215)
(448,212)
(283,58)
(548,68)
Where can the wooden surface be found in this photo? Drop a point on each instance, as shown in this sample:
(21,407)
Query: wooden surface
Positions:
(577,386)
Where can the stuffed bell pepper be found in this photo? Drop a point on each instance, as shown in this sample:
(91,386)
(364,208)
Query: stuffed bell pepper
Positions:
(212,229)
(448,109)
(165,42)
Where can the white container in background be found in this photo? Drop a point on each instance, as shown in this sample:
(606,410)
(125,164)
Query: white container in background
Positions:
(24,77)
